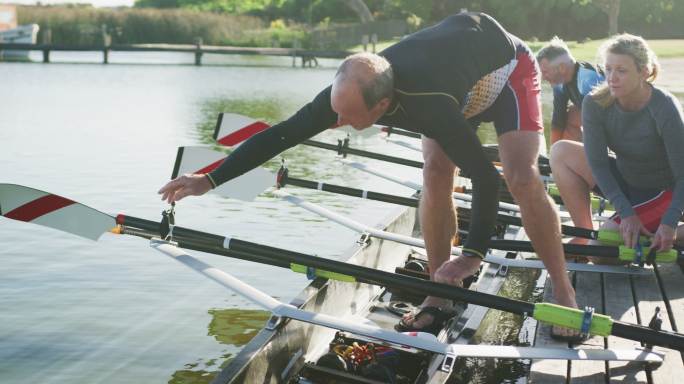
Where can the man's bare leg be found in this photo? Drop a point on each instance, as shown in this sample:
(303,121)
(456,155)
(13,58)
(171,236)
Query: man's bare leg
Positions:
(438,224)
(518,151)
(573,177)
(573,126)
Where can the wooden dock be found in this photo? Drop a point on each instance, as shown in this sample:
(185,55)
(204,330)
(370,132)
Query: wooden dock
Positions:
(629,298)
(308,57)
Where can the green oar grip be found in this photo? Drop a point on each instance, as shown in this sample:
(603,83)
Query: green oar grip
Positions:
(613,237)
(629,254)
(322,273)
(561,316)
(595,201)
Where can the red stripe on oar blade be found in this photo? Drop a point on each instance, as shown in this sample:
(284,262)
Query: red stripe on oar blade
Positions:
(243,134)
(210,167)
(39,207)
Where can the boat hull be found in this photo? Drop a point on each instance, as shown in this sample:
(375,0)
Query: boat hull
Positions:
(23,34)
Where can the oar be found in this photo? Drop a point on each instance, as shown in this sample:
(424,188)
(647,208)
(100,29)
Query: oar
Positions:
(428,343)
(544,170)
(201,156)
(417,187)
(195,160)
(598,204)
(491,150)
(620,252)
(232,129)
(425,342)
(32,205)
(364,229)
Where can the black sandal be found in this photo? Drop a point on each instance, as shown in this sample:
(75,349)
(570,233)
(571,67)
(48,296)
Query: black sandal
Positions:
(400,308)
(439,317)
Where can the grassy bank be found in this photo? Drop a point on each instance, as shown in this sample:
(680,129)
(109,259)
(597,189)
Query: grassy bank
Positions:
(84,25)
(586,51)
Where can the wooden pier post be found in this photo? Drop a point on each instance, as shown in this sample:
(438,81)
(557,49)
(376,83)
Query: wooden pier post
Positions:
(198,51)
(47,39)
(364,42)
(296,45)
(106,43)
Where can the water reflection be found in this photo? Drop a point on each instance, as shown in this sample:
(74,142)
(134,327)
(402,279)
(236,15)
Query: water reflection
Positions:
(233,327)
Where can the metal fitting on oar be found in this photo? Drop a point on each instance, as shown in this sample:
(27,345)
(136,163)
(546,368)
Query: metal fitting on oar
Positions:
(651,257)
(638,255)
(586,321)
(342,146)
(281,179)
(601,207)
(167,223)
(656,323)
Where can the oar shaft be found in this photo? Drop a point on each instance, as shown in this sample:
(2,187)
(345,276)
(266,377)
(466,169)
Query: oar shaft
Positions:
(354,192)
(205,242)
(576,249)
(648,336)
(413,202)
(491,151)
(401,132)
(343,149)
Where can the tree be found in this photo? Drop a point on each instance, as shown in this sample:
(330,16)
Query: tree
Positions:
(610,8)
(361,10)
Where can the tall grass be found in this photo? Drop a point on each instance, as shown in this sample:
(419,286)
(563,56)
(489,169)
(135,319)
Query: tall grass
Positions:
(83,25)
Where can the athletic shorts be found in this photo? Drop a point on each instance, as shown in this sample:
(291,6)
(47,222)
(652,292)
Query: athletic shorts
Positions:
(650,204)
(518,105)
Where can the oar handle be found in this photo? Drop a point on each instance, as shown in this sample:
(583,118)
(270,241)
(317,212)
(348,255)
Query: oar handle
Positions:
(613,237)
(596,202)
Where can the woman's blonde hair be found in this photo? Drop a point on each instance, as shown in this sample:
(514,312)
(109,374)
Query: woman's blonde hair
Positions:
(633,46)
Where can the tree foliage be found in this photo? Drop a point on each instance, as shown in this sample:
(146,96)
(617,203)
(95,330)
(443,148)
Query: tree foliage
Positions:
(574,19)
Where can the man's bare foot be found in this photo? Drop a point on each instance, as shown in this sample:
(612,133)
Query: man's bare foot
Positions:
(451,272)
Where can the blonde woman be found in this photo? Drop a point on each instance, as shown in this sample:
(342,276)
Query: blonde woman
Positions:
(642,125)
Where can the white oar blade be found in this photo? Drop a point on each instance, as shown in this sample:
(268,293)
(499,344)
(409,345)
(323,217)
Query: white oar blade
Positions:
(201,160)
(34,206)
(233,129)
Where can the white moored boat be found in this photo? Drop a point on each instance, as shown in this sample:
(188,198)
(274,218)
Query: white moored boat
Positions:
(11,33)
